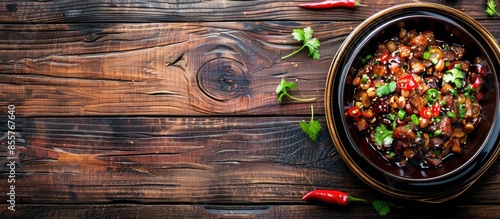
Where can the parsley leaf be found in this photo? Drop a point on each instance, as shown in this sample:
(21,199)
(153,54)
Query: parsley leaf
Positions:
(306,36)
(491,8)
(383,206)
(386,89)
(281,91)
(312,128)
(454,76)
(383,136)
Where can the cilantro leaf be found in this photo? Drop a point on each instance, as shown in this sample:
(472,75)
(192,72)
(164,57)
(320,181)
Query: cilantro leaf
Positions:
(312,128)
(308,33)
(299,35)
(306,36)
(386,89)
(454,76)
(383,136)
(491,8)
(281,91)
(383,207)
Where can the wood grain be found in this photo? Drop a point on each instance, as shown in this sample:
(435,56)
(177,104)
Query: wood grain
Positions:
(147,109)
(180,160)
(227,68)
(160,69)
(184,160)
(97,11)
(245,211)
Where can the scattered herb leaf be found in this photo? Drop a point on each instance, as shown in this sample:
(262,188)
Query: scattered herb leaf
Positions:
(383,136)
(454,76)
(491,8)
(383,207)
(306,36)
(281,91)
(312,128)
(386,89)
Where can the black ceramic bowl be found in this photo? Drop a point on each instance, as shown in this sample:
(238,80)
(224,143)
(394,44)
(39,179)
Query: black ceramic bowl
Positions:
(423,184)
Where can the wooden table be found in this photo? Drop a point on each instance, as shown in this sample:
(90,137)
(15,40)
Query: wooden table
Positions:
(167,109)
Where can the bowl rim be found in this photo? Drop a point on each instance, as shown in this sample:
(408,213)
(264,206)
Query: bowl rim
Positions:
(454,15)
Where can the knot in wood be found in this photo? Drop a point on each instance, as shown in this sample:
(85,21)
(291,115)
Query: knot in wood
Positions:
(223,79)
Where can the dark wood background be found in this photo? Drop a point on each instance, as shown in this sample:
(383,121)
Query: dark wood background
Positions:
(167,109)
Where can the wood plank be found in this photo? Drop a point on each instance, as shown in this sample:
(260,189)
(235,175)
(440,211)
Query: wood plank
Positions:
(228,68)
(223,68)
(244,211)
(25,11)
(185,160)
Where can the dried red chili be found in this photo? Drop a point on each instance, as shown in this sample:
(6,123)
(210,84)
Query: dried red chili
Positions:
(331,197)
(327,4)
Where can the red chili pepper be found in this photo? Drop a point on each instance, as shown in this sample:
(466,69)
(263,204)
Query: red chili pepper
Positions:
(451,65)
(384,57)
(331,197)
(477,83)
(406,82)
(354,112)
(330,4)
(435,109)
(425,112)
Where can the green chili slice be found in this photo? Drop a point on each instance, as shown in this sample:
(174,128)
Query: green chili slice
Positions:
(432,95)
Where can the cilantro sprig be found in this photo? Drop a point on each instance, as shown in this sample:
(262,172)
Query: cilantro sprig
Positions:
(454,76)
(383,136)
(383,207)
(281,91)
(386,89)
(312,128)
(306,36)
(491,8)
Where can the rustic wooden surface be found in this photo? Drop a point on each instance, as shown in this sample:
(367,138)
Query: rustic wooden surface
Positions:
(167,109)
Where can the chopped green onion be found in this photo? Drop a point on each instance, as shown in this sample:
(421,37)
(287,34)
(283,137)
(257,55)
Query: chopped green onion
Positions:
(436,120)
(426,55)
(461,111)
(364,78)
(451,114)
(438,132)
(442,103)
(401,114)
(454,92)
(414,119)
(366,59)
(392,117)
